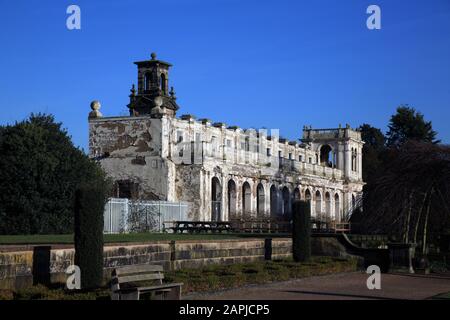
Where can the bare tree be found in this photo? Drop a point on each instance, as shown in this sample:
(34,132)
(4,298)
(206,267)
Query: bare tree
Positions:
(409,199)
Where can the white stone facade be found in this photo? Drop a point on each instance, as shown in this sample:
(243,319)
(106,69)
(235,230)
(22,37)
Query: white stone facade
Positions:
(226,172)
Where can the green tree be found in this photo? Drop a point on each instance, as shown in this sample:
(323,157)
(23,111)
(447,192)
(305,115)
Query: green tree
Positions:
(40,169)
(409,124)
(374,146)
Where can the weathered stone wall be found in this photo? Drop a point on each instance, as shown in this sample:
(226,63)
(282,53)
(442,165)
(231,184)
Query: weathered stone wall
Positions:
(16,267)
(188,188)
(131,149)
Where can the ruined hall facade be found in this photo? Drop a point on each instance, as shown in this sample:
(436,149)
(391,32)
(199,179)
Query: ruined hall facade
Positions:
(222,172)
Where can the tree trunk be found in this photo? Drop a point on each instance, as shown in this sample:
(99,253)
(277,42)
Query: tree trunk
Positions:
(416,231)
(425,225)
(408,218)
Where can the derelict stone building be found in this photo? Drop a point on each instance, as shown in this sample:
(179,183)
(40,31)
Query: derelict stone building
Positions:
(223,172)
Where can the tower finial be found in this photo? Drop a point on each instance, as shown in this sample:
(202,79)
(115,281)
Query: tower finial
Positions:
(172,93)
(153,55)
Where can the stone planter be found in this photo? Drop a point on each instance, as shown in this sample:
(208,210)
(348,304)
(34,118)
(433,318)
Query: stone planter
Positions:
(422,264)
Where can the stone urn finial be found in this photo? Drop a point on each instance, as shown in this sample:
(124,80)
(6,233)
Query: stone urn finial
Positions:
(153,55)
(95,107)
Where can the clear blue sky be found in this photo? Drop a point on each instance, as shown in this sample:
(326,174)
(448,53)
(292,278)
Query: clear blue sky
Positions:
(251,63)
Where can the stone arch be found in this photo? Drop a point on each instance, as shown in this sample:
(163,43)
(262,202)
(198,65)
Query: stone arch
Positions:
(327,205)
(286,202)
(163,84)
(296,194)
(273,201)
(246,199)
(308,195)
(307,198)
(326,155)
(216,199)
(354,159)
(232,199)
(260,200)
(337,207)
(318,201)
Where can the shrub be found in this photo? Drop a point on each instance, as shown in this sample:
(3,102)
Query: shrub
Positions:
(89,206)
(301,233)
(6,294)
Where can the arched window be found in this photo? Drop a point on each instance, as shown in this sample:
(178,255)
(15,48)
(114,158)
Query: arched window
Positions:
(247,143)
(286,203)
(232,199)
(260,201)
(163,83)
(308,199)
(296,194)
(328,205)
(216,199)
(354,154)
(147,81)
(246,198)
(326,156)
(318,200)
(273,201)
(337,209)
(307,195)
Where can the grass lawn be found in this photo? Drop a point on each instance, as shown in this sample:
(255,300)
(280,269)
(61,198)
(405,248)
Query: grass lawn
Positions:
(210,278)
(131,237)
(442,296)
(217,277)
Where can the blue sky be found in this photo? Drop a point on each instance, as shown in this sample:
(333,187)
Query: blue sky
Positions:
(252,63)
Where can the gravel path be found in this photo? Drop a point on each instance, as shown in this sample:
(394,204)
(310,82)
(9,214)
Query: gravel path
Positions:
(343,286)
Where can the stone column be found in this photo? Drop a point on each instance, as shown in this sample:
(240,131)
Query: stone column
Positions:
(202,208)
(267,199)
(360,163)
(347,160)
(207,197)
(340,157)
(224,210)
(239,198)
(253,198)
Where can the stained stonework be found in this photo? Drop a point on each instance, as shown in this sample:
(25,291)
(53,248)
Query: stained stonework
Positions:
(225,172)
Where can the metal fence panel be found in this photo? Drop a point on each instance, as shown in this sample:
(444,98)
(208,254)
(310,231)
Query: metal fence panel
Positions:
(123,215)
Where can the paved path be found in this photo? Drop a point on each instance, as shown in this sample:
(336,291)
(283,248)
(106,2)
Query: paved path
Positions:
(344,286)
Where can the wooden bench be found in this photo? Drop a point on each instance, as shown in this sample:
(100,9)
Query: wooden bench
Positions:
(201,226)
(260,226)
(125,283)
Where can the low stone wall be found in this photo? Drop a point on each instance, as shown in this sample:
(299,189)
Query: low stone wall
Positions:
(18,268)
